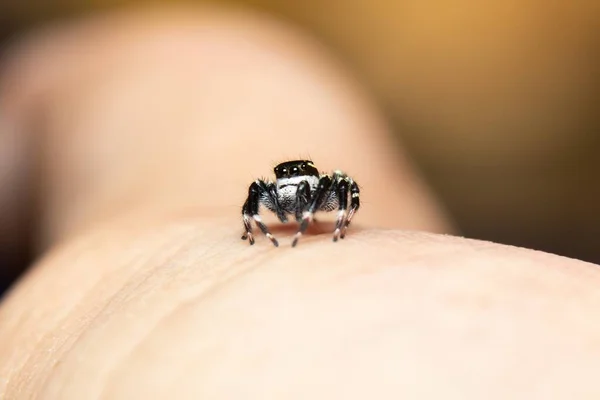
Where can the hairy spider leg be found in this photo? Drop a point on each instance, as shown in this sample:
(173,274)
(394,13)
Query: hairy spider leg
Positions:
(342,192)
(302,199)
(247,225)
(250,211)
(274,198)
(354,205)
(323,189)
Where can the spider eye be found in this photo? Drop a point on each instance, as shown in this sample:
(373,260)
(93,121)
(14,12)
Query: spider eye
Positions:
(284,171)
(303,166)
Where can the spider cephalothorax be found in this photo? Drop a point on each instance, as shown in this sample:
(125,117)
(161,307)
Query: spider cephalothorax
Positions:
(300,190)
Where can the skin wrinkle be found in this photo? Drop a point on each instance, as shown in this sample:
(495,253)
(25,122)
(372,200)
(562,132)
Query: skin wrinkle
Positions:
(193,303)
(200,297)
(90,318)
(139,287)
(111,298)
(87,321)
(30,343)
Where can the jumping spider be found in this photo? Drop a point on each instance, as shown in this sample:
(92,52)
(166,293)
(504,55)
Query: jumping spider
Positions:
(300,190)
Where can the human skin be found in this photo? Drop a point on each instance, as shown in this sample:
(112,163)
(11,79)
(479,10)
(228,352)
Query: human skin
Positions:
(149,128)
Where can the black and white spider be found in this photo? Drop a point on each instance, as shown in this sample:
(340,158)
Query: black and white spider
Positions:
(300,190)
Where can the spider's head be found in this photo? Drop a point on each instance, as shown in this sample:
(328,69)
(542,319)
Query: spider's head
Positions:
(291,169)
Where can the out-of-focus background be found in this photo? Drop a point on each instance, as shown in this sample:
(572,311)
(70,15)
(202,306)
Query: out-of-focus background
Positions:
(497,101)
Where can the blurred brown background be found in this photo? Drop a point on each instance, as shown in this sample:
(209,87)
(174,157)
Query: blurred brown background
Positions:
(497,101)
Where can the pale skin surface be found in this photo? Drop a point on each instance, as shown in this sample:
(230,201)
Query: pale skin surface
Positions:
(145,289)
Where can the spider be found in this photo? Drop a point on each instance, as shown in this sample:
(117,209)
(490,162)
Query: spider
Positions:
(300,190)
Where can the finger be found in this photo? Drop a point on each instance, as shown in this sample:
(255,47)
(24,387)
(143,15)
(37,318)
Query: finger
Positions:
(184,110)
(171,311)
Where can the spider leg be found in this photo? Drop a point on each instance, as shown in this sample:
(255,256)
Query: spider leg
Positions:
(247,225)
(250,211)
(342,193)
(271,189)
(323,189)
(302,199)
(354,205)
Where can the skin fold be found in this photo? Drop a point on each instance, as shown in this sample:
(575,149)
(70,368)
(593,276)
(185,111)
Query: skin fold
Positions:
(143,131)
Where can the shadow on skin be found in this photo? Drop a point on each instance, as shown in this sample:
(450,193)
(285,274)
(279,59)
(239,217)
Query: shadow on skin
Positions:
(287,231)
